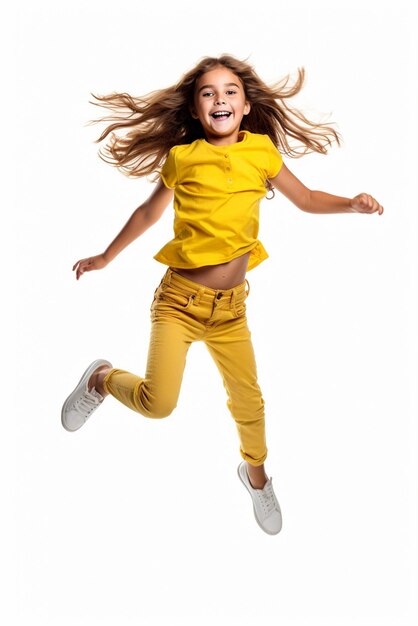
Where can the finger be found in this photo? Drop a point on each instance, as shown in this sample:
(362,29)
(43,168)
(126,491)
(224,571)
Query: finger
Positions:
(366,201)
(377,207)
(369,204)
(88,265)
(80,263)
(81,269)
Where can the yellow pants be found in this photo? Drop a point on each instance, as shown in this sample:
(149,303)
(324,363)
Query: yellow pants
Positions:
(182,312)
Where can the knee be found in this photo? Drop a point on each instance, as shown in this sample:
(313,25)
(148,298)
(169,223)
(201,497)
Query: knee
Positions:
(160,414)
(152,403)
(159,410)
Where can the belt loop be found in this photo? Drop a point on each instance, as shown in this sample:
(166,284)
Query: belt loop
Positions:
(248,285)
(233,299)
(168,276)
(199,294)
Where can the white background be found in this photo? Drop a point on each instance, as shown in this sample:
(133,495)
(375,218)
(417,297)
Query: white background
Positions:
(135,521)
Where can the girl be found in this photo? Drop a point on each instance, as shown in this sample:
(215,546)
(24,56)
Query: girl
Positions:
(212,140)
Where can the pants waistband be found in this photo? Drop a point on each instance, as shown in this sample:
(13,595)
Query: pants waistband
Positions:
(202,291)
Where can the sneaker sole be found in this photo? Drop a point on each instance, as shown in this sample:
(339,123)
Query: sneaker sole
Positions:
(81,384)
(256,518)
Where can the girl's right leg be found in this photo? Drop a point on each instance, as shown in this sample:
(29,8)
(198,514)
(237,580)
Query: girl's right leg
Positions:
(173,330)
(157,393)
(153,396)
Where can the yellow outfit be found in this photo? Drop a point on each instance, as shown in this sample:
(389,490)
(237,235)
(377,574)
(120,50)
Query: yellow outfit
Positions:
(216,200)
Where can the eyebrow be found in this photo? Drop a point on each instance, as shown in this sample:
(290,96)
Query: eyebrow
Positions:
(225,85)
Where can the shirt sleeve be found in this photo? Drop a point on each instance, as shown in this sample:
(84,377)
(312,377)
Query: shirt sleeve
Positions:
(275,159)
(169,170)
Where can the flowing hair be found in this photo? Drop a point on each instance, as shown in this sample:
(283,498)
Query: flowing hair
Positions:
(148,126)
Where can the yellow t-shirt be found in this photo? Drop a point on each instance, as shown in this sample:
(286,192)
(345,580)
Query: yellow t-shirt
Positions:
(216,200)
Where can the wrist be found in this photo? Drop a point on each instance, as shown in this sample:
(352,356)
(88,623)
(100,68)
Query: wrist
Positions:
(107,256)
(351,208)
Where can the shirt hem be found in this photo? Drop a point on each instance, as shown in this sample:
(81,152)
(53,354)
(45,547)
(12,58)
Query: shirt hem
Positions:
(254,259)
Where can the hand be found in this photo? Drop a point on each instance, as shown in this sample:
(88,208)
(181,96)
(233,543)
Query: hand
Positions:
(91,263)
(364,203)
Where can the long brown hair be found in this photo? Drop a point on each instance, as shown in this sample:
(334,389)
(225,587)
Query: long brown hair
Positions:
(161,119)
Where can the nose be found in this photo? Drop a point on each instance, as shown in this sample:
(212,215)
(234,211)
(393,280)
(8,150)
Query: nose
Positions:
(220,100)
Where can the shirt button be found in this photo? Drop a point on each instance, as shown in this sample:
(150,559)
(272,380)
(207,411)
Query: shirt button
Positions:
(229,180)
(226,156)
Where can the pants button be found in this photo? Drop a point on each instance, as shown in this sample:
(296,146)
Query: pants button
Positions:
(219,295)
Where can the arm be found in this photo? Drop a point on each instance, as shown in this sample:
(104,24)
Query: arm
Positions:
(141,219)
(319,201)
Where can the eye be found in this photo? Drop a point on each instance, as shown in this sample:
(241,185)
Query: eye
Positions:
(230,92)
(207,93)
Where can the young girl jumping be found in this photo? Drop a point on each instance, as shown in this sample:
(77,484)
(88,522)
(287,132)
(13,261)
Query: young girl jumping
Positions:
(212,141)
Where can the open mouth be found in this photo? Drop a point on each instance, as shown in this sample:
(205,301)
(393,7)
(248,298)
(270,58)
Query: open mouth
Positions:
(221,115)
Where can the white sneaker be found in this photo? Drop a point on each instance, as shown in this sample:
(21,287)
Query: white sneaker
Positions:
(266,507)
(81,403)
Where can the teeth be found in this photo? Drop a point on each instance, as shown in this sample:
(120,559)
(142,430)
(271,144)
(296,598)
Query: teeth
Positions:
(221,113)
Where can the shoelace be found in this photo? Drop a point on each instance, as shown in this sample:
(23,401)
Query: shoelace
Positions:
(86,404)
(267,499)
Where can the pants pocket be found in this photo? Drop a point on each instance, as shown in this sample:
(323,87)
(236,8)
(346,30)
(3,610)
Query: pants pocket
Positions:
(167,299)
(240,306)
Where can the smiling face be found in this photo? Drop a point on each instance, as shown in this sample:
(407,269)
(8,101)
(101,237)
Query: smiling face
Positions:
(220,105)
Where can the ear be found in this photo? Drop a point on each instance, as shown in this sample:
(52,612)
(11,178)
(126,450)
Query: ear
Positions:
(193,113)
(247,108)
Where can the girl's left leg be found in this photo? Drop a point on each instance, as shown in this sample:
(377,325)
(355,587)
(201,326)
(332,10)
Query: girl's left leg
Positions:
(231,347)
(232,350)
